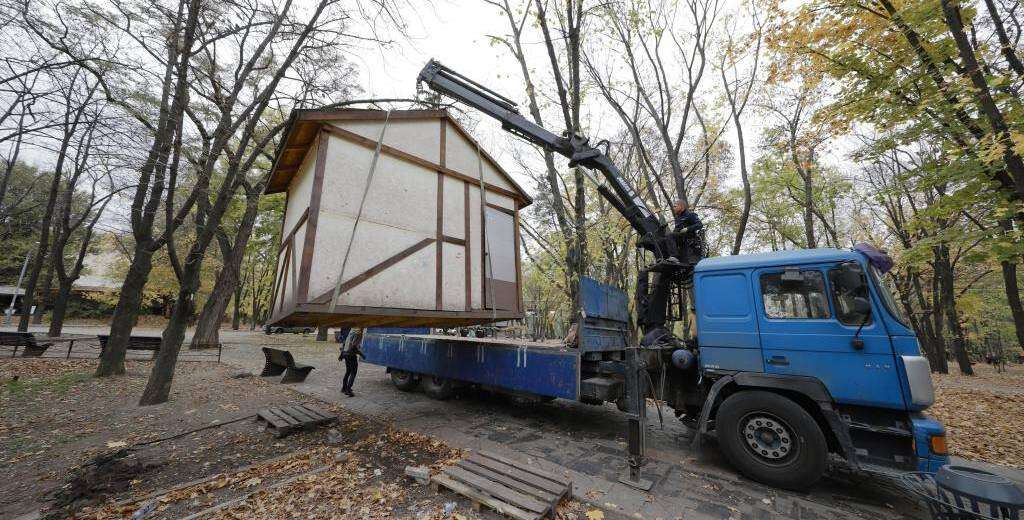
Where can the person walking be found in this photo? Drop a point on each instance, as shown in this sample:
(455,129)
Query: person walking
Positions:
(351,350)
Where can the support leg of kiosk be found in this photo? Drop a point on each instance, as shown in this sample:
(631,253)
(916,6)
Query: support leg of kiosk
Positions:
(636,428)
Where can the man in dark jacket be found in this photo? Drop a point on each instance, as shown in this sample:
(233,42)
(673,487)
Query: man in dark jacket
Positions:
(684,240)
(351,350)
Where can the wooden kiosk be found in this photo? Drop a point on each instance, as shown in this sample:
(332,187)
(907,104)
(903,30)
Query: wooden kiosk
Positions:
(393,218)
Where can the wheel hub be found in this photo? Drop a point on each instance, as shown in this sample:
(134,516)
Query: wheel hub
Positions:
(767,437)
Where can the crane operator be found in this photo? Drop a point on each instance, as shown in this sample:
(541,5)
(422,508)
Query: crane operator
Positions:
(685,241)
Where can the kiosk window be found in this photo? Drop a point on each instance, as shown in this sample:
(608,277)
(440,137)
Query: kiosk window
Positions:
(794,295)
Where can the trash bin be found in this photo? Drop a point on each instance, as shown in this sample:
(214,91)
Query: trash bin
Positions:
(962,493)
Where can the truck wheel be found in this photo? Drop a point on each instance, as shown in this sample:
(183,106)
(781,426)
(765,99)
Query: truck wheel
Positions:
(404,381)
(771,439)
(438,387)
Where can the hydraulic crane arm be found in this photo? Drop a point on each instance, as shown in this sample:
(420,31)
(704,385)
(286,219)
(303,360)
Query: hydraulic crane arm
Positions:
(576,148)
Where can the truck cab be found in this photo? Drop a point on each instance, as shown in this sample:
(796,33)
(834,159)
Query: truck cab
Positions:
(805,355)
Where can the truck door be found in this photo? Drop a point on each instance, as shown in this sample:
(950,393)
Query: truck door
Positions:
(808,323)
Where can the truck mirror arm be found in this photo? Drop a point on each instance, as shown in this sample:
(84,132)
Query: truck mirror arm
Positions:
(863,305)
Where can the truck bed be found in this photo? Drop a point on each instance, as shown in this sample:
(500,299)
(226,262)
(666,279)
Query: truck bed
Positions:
(543,368)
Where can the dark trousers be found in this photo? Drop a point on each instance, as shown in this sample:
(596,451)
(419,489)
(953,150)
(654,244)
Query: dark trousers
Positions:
(351,367)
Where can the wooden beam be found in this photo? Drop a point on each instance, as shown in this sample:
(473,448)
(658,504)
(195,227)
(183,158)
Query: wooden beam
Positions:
(519,267)
(511,212)
(367,115)
(469,249)
(439,278)
(309,241)
(453,240)
(419,161)
(325,298)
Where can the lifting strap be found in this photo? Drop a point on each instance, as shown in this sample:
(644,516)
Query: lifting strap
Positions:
(359,214)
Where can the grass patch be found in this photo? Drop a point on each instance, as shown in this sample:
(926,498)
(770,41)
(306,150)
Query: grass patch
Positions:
(59,385)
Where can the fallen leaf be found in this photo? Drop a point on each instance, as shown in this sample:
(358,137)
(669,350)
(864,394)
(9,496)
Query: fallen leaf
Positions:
(595,514)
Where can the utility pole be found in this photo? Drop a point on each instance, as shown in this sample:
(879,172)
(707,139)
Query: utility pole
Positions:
(17,288)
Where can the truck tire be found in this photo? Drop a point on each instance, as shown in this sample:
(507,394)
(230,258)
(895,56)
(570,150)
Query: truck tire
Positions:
(404,381)
(438,387)
(771,439)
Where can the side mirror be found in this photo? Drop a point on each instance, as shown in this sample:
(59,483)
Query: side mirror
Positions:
(861,306)
(850,275)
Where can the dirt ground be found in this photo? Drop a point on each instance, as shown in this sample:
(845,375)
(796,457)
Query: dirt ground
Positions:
(983,414)
(70,447)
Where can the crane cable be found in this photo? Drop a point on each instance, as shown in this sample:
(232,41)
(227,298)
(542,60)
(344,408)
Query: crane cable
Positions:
(359,213)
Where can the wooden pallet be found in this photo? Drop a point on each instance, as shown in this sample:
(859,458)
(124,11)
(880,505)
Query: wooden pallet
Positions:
(287,419)
(504,485)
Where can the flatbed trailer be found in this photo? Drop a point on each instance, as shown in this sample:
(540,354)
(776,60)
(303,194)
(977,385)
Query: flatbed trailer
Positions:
(547,370)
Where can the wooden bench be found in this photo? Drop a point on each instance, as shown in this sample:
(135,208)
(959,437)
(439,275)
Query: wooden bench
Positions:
(151,343)
(23,339)
(279,361)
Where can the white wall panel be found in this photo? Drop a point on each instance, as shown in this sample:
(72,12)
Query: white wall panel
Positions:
(453,295)
(393,287)
(300,190)
(461,157)
(373,244)
(454,208)
(401,194)
(420,137)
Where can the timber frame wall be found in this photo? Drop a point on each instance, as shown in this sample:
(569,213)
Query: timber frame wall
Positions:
(312,127)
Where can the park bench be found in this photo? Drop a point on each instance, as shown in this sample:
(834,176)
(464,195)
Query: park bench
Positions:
(279,361)
(151,343)
(23,339)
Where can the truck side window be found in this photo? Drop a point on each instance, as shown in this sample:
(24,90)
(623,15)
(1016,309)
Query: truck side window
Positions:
(786,298)
(844,291)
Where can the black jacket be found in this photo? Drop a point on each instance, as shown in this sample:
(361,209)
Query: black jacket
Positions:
(688,221)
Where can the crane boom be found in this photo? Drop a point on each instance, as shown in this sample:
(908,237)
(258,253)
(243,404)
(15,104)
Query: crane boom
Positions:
(576,148)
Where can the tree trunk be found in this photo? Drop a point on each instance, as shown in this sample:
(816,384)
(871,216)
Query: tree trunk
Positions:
(126,313)
(208,325)
(60,307)
(45,288)
(321,333)
(236,317)
(946,282)
(158,388)
(741,228)
(1013,299)
(28,299)
(809,211)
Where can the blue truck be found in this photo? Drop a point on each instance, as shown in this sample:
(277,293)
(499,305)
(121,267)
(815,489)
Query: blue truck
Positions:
(799,356)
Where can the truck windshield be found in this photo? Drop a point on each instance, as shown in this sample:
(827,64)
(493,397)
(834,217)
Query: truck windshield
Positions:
(882,283)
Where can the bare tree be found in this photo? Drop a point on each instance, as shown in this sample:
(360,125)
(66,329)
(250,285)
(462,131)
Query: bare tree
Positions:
(75,96)
(737,93)
(563,51)
(653,45)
